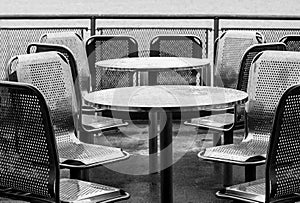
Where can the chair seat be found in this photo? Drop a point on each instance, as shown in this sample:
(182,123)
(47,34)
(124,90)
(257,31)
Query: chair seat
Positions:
(253,191)
(72,190)
(82,155)
(243,153)
(100,122)
(218,121)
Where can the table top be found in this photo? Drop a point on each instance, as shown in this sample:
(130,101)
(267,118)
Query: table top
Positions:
(170,97)
(153,63)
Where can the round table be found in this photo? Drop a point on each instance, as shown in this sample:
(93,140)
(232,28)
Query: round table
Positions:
(154,65)
(169,98)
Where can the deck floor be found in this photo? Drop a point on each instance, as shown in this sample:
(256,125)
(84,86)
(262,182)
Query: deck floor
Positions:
(195,180)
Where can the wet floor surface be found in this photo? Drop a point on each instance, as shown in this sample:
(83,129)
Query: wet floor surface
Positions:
(194,180)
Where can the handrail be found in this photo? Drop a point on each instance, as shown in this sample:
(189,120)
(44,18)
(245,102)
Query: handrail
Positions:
(94,17)
(148,16)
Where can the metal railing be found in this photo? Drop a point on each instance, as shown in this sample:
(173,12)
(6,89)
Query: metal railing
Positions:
(15,39)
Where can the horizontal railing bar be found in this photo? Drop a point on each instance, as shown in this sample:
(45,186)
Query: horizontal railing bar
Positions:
(258,28)
(150,28)
(41,28)
(147,16)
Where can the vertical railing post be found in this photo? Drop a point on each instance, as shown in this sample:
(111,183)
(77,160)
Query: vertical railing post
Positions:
(216,28)
(216,35)
(93,25)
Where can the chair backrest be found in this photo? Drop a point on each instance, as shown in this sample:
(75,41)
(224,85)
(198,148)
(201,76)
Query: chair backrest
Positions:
(247,58)
(230,48)
(29,166)
(103,47)
(282,165)
(292,42)
(50,72)
(75,43)
(176,46)
(271,74)
(44,47)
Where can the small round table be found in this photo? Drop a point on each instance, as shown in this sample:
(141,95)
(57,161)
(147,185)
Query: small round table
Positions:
(169,99)
(149,67)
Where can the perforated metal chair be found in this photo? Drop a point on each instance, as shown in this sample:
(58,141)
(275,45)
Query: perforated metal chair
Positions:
(281,182)
(292,42)
(178,46)
(29,163)
(76,45)
(226,121)
(50,72)
(271,73)
(103,47)
(230,48)
(94,124)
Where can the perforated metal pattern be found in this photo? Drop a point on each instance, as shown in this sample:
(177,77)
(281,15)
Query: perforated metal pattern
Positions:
(285,162)
(271,35)
(52,76)
(177,46)
(109,49)
(248,57)
(242,151)
(230,50)
(24,153)
(144,36)
(245,71)
(76,45)
(15,40)
(72,190)
(87,152)
(293,45)
(272,74)
(292,42)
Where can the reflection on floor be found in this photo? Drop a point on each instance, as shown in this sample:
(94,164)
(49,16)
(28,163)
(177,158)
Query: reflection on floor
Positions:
(195,180)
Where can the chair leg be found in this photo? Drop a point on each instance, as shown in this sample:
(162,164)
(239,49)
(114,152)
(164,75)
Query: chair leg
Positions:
(153,146)
(81,174)
(228,136)
(216,139)
(227,176)
(250,173)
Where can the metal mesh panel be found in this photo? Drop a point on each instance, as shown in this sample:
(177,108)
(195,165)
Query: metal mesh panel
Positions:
(72,190)
(176,46)
(24,153)
(272,34)
(272,74)
(285,164)
(15,40)
(230,50)
(76,45)
(246,69)
(292,42)
(52,76)
(144,36)
(110,48)
(247,60)
(293,45)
